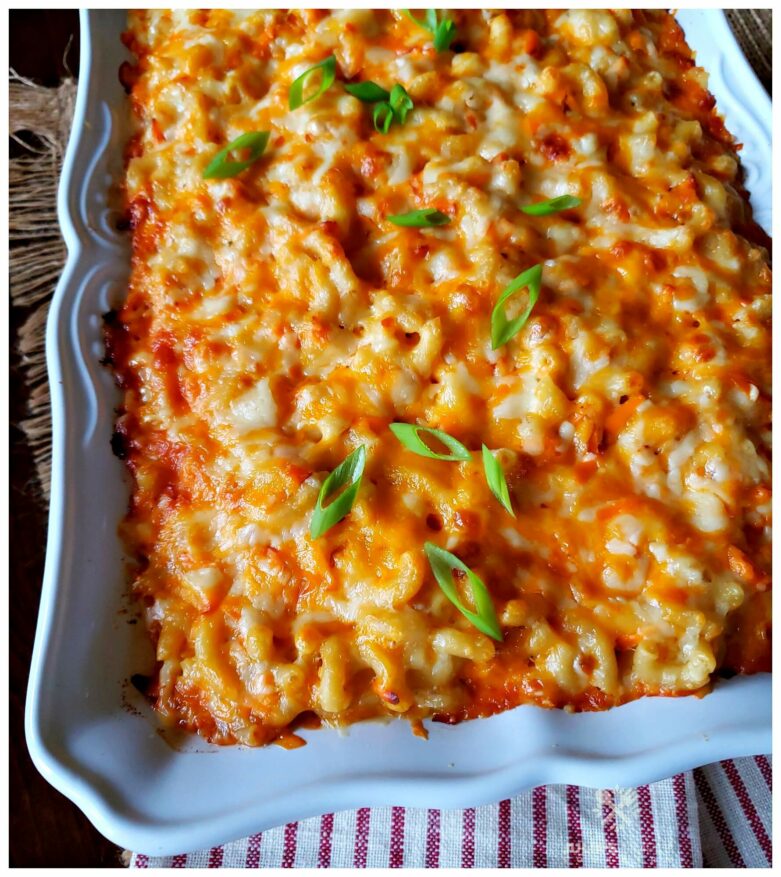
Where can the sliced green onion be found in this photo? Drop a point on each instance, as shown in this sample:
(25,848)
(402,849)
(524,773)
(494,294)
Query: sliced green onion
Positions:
(502,329)
(390,106)
(296,94)
(368,92)
(408,435)
(426,218)
(442,565)
(400,102)
(443,35)
(220,168)
(349,471)
(553,205)
(428,24)
(496,480)
(382,117)
(443,31)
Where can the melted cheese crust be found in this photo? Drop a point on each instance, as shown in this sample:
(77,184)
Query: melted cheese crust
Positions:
(276,320)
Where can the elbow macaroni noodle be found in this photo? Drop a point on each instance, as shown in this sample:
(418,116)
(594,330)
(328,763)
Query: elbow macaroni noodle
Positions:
(276,321)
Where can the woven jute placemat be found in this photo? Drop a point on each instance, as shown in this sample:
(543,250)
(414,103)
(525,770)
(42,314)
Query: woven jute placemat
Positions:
(37,252)
(36,249)
(754,31)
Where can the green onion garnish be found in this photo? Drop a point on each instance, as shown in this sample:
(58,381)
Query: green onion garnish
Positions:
(442,565)
(502,329)
(368,92)
(443,31)
(219,168)
(443,35)
(426,218)
(554,205)
(496,480)
(296,94)
(408,435)
(430,21)
(400,102)
(349,471)
(393,106)
(383,117)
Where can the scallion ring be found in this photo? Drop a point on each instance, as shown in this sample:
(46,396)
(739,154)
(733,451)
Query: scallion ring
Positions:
(409,435)
(553,205)
(494,476)
(400,102)
(368,92)
(296,94)
(442,30)
(502,329)
(382,117)
(348,472)
(443,34)
(221,168)
(426,218)
(429,23)
(442,565)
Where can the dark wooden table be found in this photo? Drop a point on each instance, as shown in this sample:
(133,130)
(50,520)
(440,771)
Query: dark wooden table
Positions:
(46,830)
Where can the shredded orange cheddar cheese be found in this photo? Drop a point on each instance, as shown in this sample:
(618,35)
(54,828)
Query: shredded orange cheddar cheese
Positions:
(276,320)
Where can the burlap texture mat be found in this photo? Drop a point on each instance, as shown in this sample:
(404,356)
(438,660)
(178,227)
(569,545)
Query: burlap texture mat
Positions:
(37,252)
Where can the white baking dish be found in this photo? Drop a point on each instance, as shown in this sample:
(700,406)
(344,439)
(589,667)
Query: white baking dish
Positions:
(92,736)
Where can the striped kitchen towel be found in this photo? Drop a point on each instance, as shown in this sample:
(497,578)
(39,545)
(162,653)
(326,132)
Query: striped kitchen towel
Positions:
(716,816)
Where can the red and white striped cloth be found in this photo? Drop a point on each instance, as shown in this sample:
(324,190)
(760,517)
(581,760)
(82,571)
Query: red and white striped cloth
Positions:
(715,816)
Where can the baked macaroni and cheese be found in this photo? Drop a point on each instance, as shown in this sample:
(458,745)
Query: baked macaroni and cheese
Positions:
(446,367)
